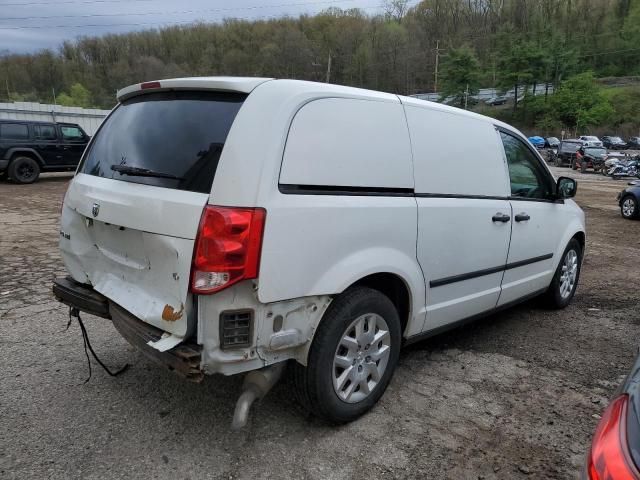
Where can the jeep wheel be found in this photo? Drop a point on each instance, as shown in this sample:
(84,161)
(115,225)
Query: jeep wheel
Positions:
(352,357)
(24,170)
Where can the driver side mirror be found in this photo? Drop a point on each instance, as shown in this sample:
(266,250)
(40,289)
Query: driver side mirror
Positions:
(566,187)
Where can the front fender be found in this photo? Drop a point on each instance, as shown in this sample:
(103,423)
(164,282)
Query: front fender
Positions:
(575,226)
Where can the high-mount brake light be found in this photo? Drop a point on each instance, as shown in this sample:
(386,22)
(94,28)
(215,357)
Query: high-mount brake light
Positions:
(227,248)
(149,85)
(609,457)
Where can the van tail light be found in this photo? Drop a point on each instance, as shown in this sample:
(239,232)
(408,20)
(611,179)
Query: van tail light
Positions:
(609,458)
(227,248)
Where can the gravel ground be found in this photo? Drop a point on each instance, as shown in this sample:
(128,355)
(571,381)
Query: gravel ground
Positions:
(514,396)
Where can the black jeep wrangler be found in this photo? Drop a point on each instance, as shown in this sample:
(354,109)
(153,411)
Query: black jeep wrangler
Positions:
(28,148)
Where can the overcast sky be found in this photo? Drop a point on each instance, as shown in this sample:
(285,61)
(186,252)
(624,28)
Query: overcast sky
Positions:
(30,25)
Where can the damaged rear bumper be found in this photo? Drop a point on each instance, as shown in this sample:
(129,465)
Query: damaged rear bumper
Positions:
(184,359)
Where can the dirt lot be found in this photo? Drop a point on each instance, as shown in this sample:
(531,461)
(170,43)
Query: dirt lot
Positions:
(514,396)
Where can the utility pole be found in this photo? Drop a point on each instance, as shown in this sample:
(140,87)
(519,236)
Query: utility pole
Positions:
(6,82)
(466,96)
(329,68)
(435,81)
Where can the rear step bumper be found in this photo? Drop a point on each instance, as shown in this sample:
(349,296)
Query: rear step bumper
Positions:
(184,358)
(81,296)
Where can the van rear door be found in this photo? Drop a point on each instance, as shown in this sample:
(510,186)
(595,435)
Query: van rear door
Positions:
(132,212)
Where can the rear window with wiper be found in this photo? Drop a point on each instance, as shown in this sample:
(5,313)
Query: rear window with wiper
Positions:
(167,139)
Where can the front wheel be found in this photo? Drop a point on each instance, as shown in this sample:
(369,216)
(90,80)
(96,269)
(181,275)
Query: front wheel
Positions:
(352,357)
(583,167)
(565,280)
(629,207)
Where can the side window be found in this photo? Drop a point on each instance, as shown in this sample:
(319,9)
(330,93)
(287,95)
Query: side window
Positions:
(73,134)
(45,132)
(14,131)
(528,177)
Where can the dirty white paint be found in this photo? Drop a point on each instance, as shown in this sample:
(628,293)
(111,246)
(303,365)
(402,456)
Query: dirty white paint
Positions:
(88,118)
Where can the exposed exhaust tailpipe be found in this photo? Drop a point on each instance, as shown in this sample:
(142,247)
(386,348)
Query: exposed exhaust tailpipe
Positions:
(257,384)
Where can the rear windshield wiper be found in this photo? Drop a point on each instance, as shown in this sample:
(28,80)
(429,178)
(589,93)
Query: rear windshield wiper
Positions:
(141,172)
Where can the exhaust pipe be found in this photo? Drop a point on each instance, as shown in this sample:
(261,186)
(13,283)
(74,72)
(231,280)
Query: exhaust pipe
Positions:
(257,384)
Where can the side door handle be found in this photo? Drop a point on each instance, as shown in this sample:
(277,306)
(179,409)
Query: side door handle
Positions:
(500,217)
(522,217)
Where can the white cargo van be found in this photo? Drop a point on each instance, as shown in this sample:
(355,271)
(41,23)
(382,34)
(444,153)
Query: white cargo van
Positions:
(228,225)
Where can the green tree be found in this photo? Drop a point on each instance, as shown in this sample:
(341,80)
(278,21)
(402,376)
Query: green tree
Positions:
(579,102)
(78,96)
(460,75)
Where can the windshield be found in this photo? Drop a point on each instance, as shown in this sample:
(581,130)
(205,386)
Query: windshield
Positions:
(570,147)
(591,139)
(615,139)
(177,136)
(595,151)
(553,139)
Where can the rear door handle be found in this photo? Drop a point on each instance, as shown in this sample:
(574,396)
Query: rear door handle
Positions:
(522,217)
(500,217)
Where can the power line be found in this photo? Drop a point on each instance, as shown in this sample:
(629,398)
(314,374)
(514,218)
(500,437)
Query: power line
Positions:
(178,12)
(55,4)
(169,23)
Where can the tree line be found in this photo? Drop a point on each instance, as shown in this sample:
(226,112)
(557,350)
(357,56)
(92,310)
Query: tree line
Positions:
(501,43)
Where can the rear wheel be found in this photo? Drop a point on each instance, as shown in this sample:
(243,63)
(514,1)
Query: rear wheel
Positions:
(565,280)
(629,207)
(24,170)
(573,165)
(352,358)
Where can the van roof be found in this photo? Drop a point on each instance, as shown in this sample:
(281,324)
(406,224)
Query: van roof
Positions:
(248,84)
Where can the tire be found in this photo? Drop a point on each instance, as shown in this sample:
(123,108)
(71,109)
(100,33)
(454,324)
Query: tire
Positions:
(24,170)
(561,291)
(629,207)
(314,384)
(583,167)
(573,165)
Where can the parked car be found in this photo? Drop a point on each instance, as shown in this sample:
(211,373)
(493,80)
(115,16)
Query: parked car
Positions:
(493,101)
(592,157)
(537,142)
(614,143)
(28,148)
(590,141)
(634,142)
(628,201)
(615,448)
(551,142)
(567,152)
(228,225)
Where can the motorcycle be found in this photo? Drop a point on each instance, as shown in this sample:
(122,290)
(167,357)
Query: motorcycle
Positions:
(630,168)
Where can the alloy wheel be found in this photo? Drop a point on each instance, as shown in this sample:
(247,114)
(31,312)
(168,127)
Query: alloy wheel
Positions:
(568,274)
(361,358)
(628,207)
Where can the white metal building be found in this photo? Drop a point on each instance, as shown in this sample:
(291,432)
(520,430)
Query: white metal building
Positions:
(88,118)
